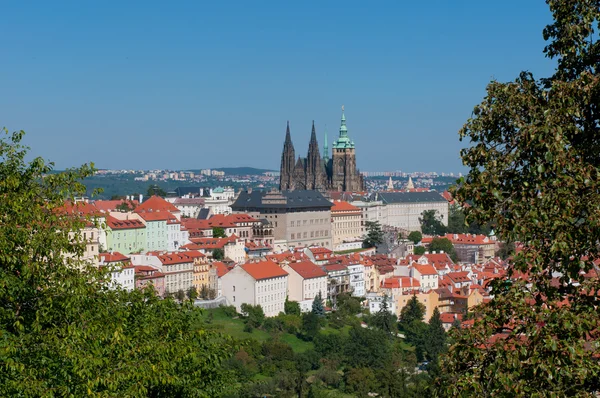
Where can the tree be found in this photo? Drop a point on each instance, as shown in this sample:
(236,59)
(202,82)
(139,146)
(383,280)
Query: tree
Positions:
(374,234)
(384,319)
(534,171)
(254,314)
(310,325)
(218,232)
(506,250)
(415,236)
(317,306)
(218,254)
(431,223)
(62,329)
(291,307)
(412,311)
(436,337)
(419,250)
(192,293)
(456,220)
(156,190)
(443,244)
(180,295)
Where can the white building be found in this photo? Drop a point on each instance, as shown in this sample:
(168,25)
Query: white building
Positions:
(261,283)
(177,267)
(405,208)
(426,274)
(189,207)
(220,200)
(356,273)
(305,281)
(123,274)
(374,301)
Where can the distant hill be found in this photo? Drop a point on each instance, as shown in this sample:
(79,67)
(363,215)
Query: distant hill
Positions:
(240,170)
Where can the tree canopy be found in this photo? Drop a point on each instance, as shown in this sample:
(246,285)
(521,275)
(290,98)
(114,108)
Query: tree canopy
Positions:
(64,333)
(431,223)
(218,232)
(374,234)
(415,236)
(443,244)
(534,171)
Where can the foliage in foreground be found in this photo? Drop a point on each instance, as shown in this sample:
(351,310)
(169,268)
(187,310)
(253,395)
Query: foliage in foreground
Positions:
(534,171)
(62,332)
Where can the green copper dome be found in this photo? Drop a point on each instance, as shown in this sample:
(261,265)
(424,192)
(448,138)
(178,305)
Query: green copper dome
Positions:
(343,141)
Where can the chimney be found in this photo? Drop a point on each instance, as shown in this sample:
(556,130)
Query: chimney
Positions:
(141,197)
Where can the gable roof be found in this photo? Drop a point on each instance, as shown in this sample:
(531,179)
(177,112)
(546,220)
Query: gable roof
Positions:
(425,269)
(341,206)
(115,223)
(156,203)
(113,257)
(111,205)
(263,270)
(307,269)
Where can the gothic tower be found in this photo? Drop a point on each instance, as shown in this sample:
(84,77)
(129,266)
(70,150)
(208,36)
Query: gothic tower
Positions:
(314,171)
(344,175)
(288,162)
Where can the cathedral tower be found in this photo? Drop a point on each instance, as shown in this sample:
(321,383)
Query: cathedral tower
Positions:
(288,162)
(344,175)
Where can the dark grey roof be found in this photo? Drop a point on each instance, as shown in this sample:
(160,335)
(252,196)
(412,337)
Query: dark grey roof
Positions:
(288,200)
(182,191)
(411,197)
(204,214)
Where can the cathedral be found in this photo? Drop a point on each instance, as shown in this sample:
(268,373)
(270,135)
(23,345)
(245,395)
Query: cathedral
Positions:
(335,173)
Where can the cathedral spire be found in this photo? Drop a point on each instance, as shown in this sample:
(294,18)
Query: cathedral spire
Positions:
(288,136)
(343,141)
(313,135)
(326,147)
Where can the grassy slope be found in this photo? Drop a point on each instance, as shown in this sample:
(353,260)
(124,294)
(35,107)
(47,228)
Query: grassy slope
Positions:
(234,327)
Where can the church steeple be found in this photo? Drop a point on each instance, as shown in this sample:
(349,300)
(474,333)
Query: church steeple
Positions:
(326,148)
(288,158)
(343,141)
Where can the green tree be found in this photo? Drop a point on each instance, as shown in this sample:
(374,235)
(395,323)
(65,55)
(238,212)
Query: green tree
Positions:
(369,348)
(310,325)
(384,319)
(317,306)
(419,250)
(374,234)
(180,295)
(254,314)
(218,254)
(360,381)
(506,250)
(192,293)
(218,232)
(436,337)
(156,190)
(63,331)
(534,171)
(415,236)
(443,244)
(412,311)
(431,224)
(456,220)
(291,307)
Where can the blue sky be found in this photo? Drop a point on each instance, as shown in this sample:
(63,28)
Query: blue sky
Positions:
(196,84)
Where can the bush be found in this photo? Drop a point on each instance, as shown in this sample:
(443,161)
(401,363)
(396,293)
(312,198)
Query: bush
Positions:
(229,310)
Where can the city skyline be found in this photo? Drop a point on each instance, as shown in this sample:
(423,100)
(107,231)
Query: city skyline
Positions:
(212,85)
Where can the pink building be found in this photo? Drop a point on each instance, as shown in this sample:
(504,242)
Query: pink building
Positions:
(146,275)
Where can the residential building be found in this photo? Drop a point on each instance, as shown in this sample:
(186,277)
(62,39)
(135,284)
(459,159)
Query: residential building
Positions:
(126,236)
(301,218)
(189,207)
(233,247)
(261,283)
(146,275)
(123,273)
(157,230)
(426,274)
(305,281)
(472,248)
(346,223)
(429,299)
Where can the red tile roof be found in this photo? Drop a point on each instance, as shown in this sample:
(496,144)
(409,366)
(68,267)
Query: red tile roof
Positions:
(263,270)
(307,269)
(115,223)
(400,282)
(209,243)
(179,257)
(425,269)
(157,216)
(334,267)
(222,269)
(341,206)
(113,257)
(449,317)
(156,203)
(459,277)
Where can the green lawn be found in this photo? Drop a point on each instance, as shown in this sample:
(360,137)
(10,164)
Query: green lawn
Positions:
(234,327)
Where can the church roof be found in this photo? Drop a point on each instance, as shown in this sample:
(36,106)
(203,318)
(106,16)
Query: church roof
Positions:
(284,199)
(411,197)
(343,140)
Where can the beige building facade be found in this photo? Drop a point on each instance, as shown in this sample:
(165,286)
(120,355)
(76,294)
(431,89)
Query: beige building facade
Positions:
(346,223)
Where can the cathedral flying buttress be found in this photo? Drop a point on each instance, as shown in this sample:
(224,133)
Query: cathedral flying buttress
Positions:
(337,172)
